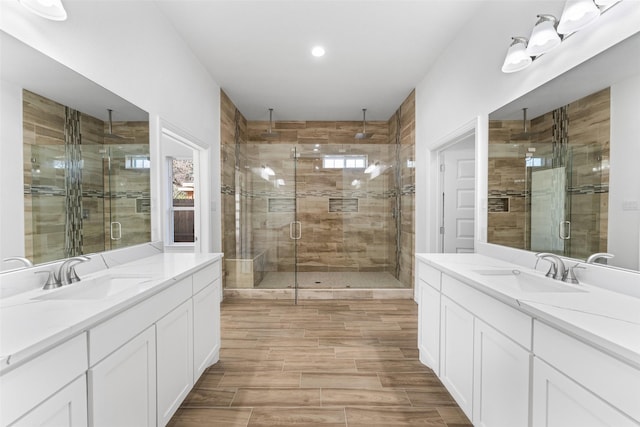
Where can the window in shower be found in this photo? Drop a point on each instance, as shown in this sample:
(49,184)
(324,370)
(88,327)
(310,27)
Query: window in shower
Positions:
(344,162)
(182,206)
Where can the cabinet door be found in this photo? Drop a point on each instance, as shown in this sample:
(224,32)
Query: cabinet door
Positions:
(558,402)
(68,407)
(174,350)
(206,328)
(429,327)
(501,380)
(122,387)
(456,353)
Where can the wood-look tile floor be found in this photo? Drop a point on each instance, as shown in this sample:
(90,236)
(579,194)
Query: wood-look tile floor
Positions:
(319,363)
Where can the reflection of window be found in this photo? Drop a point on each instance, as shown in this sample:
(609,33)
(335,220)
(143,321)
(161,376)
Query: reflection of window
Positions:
(182,206)
(137,162)
(344,162)
(535,162)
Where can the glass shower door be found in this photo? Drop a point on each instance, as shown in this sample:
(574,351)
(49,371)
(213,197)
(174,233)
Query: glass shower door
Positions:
(127,202)
(266,227)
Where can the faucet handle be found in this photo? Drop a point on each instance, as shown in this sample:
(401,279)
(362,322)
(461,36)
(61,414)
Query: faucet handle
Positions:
(553,270)
(51,282)
(570,275)
(73,275)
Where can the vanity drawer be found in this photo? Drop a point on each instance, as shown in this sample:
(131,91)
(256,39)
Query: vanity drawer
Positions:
(605,376)
(205,276)
(509,321)
(429,275)
(28,385)
(113,333)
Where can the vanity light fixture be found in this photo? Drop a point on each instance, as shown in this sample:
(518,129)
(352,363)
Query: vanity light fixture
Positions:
(544,36)
(49,9)
(548,33)
(576,15)
(517,58)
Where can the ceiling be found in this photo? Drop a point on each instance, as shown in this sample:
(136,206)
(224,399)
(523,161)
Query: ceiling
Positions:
(259,51)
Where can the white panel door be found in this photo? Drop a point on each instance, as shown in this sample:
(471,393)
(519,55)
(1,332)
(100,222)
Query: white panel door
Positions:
(122,387)
(174,344)
(501,380)
(429,327)
(66,408)
(458,216)
(456,353)
(559,402)
(206,328)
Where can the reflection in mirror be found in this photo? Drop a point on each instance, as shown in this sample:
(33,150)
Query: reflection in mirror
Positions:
(85,160)
(560,178)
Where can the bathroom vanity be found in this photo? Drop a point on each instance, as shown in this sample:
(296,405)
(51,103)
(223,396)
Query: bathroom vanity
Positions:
(515,348)
(124,346)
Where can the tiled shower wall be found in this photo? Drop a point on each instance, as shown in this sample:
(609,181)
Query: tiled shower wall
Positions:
(44,180)
(588,140)
(365,240)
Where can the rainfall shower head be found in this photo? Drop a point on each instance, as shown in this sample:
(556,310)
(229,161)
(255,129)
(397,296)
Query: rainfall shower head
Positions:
(364,134)
(269,133)
(525,134)
(111,135)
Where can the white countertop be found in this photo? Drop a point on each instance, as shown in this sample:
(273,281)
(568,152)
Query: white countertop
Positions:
(607,320)
(30,326)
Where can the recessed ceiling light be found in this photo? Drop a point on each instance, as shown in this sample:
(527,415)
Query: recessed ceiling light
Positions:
(317,51)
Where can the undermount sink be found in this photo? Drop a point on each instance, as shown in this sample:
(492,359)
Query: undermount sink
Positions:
(100,287)
(526,282)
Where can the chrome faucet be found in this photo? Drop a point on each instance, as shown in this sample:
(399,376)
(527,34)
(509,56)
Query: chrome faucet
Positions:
(67,272)
(557,269)
(599,255)
(26,261)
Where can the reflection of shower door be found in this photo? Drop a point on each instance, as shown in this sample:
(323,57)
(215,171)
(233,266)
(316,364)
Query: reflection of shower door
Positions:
(550,229)
(127,201)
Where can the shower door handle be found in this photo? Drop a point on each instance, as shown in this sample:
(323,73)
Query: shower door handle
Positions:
(119,230)
(292,226)
(564,230)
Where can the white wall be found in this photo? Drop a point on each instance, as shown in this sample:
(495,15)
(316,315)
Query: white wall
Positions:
(624,181)
(466,84)
(129,48)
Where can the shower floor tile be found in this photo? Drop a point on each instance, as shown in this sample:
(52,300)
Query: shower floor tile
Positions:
(333,280)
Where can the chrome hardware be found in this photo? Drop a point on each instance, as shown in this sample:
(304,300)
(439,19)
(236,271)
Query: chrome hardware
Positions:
(26,261)
(557,270)
(292,226)
(51,282)
(67,273)
(570,275)
(119,236)
(600,255)
(564,230)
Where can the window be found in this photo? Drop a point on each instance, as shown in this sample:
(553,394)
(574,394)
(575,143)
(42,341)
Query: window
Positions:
(137,162)
(348,161)
(182,206)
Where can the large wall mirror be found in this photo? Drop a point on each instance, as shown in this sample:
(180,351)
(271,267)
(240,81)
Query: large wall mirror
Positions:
(563,171)
(85,160)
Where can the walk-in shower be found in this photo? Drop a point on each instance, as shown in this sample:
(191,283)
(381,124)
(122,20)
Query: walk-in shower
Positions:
(310,208)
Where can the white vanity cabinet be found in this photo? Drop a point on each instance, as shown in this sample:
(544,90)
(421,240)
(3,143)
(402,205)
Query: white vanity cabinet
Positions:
(456,353)
(428,298)
(482,348)
(576,384)
(48,390)
(122,386)
(207,295)
(174,350)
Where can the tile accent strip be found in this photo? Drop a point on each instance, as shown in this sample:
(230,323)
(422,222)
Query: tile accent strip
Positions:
(73,183)
(343,205)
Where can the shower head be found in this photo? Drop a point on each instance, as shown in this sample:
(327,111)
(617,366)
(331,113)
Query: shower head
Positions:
(111,135)
(269,133)
(525,134)
(364,134)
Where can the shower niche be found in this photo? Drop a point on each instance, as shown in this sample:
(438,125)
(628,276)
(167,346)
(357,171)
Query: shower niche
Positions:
(86,180)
